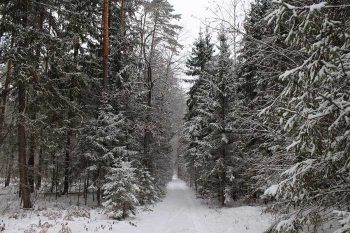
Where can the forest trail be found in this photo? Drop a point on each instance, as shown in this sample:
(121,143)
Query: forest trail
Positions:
(181,212)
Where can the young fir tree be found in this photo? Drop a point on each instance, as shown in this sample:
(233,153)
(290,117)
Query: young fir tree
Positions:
(120,190)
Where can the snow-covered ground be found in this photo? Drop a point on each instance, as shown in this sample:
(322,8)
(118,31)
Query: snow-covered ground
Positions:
(179,212)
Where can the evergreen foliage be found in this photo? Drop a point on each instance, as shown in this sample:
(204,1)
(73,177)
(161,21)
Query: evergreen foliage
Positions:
(285,124)
(74,128)
(269,122)
(313,108)
(120,190)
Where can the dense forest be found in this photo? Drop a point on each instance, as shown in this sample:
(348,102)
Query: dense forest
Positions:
(88,98)
(91,103)
(273,122)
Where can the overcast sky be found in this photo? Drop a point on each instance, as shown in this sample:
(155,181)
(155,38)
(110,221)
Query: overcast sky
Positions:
(195,12)
(192,11)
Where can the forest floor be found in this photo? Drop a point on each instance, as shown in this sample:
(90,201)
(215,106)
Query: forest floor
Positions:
(179,212)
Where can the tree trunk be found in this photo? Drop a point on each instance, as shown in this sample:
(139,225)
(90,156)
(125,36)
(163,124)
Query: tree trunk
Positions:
(9,170)
(39,168)
(105,41)
(4,95)
(34,109)
(122,18)
(56,179)
(47,57)
(86,188)
(221,192)
(195,180)
(22,145)
(6,89)
(223,151)
(31,162)
(98,196)
(70,133)
(21,121)
(147,139)
(67,162)
(99,191)
(53,175)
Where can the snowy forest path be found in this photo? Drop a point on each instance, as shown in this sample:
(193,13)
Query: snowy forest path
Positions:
(182,212)
(179,212)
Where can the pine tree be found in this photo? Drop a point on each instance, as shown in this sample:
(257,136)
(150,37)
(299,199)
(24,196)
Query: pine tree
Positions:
(158,32)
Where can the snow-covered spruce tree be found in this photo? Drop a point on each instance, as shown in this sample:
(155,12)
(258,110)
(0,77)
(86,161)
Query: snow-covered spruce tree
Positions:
(102,139)
(148,193)
(209,123)
(25,35)
(102,143)
(120,189)
(196,150)
(315,108)
(67,127)
(128,104)
(127,77)
(258,142)
(80,82)
(202,53)
(18,26)
(57,82)
(224,171)
(68,87)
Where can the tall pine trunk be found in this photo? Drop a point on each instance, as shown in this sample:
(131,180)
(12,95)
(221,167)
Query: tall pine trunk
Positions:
(39,168)
(22,145)
(67,162)
(122,17)
(4,95)
(223,150)
(105,80)
(31,161)
(70,134)
(21,121)
(34,109)
(3,105)
(9,169)
(147,140)
(105,42)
